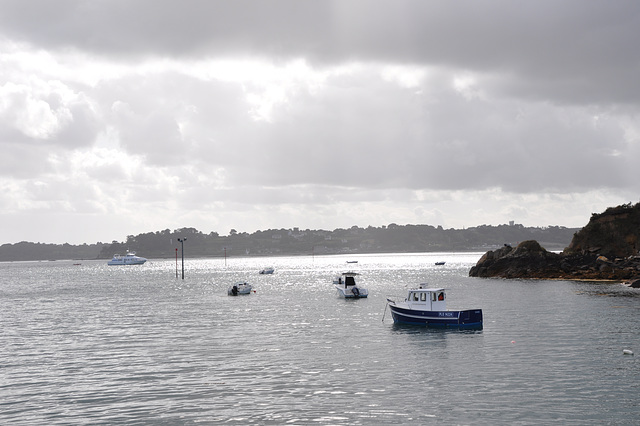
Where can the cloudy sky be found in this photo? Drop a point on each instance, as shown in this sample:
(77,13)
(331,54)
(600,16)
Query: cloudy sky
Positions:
(124,117)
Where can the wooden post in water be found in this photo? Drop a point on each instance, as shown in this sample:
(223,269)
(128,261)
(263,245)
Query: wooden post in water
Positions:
(182,240)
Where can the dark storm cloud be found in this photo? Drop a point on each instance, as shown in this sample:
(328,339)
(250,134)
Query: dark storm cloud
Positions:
(175,28)
(573,51)
(356,136)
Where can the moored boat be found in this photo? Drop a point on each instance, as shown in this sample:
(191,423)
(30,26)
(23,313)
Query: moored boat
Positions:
(128,259)
(239,288)
(267,271)
(428,307)
(347,288)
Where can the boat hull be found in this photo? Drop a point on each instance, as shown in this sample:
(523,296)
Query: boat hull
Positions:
(349,293)
(126,262)
(471,318)
(238,290)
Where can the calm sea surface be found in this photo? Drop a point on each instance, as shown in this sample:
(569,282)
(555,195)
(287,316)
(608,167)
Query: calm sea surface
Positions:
(98,344)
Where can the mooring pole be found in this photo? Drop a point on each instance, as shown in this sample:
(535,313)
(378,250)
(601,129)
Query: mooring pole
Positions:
(182,240)
(176,262)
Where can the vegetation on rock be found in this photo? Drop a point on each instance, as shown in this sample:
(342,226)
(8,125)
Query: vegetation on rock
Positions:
(614,233)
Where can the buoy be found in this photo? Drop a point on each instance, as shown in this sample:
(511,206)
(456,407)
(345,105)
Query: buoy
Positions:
(513,341)
(627,351)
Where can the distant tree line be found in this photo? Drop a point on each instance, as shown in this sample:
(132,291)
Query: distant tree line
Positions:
(384,239)
(39,251)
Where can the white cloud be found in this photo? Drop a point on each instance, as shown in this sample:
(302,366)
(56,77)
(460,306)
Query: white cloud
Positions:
(36,109)
(414,112)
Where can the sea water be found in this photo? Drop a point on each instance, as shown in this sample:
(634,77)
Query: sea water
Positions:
(95,344)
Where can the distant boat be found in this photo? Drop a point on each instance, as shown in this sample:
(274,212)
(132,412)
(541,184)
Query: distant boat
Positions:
(267,271)
(239,288)
(346,286)
(440,263)
(428,307)
(128,259)
(352,261)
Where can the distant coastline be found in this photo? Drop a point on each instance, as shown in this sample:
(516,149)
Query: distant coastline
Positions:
(285,242)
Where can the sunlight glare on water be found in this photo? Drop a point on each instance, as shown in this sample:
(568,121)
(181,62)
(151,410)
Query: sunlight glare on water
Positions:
(95,343)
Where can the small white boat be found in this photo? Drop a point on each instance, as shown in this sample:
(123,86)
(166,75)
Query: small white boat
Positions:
(267,271)
(128,259)
(347,288)
(239,288)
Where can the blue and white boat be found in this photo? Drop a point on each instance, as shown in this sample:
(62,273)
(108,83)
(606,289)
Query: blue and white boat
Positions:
(128,259)
(428,307)
(347,288)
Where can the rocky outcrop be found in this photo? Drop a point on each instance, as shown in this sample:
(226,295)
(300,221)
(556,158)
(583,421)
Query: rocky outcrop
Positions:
(615,233)
(634,283)
(527,260)
(605,249)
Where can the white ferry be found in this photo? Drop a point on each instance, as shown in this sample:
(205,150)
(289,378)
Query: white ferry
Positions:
(128,259)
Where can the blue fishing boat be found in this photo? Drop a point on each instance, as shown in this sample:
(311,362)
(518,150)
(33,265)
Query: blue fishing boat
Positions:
(428,307)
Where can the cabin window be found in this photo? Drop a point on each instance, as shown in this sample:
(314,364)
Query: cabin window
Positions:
(415,297)
(433,297)
(423,297)
(441,296)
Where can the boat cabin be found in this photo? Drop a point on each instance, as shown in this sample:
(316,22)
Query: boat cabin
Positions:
(346,279)
(427,299)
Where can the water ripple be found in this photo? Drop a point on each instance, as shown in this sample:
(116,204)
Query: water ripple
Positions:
(136,346)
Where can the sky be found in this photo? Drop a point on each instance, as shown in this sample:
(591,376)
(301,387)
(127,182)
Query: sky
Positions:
(124,117)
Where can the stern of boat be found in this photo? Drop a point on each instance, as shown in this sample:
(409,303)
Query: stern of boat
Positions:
(471,318)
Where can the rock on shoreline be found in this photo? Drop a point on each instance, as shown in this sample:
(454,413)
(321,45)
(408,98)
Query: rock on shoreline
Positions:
(605,249)
(530,260)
